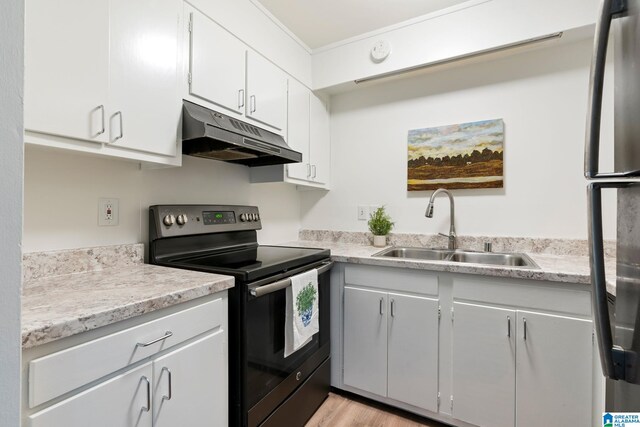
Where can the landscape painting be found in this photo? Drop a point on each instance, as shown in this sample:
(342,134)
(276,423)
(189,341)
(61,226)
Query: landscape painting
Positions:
(467,155)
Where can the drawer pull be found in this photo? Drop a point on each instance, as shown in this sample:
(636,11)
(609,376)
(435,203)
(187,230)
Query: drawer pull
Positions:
(168,334)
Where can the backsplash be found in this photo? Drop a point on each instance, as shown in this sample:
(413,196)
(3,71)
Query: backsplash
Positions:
(54,263)
(576,247)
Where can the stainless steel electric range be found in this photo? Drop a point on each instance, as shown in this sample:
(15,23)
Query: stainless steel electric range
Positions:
(265,388)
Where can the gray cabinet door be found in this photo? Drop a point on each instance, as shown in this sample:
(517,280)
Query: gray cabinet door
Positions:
(554,370)
(365,340)
(413,351)
(484,364)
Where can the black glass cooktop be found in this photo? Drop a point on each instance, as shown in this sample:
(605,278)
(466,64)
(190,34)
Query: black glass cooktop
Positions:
(256,262)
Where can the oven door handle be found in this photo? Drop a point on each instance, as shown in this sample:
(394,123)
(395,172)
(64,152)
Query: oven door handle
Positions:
(284,283)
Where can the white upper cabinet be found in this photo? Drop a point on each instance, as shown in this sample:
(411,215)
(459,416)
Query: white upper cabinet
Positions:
(320,141)
(105,72)
(67,68)
(143,96)
(216,64)
(266,92)
(298,129)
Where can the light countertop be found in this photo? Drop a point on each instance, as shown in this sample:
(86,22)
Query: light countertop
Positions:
(58,306)
(553,268)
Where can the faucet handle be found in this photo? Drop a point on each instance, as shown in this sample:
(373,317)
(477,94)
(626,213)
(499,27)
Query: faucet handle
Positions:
(443,235)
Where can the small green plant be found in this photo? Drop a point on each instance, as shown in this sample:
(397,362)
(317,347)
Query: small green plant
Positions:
(305,298)
(380,223)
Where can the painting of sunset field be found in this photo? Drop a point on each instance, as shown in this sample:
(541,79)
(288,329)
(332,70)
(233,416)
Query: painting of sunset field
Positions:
(467,155)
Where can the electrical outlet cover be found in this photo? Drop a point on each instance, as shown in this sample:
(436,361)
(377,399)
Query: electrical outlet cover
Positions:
(363,213)
(108,210)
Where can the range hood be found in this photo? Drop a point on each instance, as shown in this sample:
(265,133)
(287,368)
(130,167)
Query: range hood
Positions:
(213,135)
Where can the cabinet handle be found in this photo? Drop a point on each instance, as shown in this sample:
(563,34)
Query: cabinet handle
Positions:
(170,383)
(148,407)
(241,98)
(252,104)
(314,171)
(508,326)
(381,309)
(393,306)
(308,170)
(167,334)
(101,108)
(119,114)
(524,321)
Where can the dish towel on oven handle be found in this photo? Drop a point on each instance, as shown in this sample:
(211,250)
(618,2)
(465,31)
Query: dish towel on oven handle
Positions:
(301,321)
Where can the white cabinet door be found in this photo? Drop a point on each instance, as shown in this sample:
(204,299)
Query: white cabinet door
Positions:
(298,129)
(267,92)
(554,370)
(365,340)
(484,378)
(144,104)
(190,384)
(413,351)
(67,68)
(217,64)
(122,401)
(320,141)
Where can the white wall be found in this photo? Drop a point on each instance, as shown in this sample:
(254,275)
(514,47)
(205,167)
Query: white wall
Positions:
(542,97)
(11,156)
(62,190)
(471,27)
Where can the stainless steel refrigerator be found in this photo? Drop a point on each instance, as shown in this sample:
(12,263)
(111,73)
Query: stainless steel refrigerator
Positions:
(617,320)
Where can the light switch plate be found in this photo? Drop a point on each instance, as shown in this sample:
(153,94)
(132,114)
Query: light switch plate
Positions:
(108,211)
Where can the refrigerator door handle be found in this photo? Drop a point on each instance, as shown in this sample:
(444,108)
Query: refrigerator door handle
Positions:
(608,10)
(611,356)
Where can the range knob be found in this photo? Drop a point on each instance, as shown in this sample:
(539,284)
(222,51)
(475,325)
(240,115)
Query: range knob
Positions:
(257,217)
(243,217)
(252,216)
(182,219)
(169,220)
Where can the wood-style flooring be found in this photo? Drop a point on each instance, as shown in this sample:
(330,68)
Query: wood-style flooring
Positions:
(344,411)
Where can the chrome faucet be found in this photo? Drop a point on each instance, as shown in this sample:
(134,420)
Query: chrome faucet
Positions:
(429,214)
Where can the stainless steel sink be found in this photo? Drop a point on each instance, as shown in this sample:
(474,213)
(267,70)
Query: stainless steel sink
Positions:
(513,260)
(415,253)
(487,258)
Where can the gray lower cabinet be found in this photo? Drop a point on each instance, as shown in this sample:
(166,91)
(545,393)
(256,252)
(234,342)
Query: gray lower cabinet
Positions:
(391,345)
(515,367)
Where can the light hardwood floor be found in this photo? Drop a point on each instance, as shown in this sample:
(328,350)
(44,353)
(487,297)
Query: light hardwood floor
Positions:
(341,411)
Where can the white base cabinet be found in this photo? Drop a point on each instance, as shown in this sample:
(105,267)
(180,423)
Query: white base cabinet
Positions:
(467,350)
(121,401)
(175,372)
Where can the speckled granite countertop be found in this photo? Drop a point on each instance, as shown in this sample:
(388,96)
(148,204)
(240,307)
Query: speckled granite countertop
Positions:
(106,290)
(553,268)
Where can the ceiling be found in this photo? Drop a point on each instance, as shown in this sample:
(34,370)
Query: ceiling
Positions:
(321,22)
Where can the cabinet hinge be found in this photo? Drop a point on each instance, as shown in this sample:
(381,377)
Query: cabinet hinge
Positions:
(439,313)
(189,78)
(438,400)
(593,337)
(191,24)
(452,314)
(452,403)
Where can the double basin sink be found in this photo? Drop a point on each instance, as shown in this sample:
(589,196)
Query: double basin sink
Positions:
(460,255)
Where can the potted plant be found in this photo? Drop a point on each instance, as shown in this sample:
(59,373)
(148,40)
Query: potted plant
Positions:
(380,225)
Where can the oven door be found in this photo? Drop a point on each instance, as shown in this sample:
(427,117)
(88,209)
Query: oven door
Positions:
(271,377)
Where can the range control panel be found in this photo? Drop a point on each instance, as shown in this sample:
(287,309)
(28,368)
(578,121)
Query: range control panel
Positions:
(184,220)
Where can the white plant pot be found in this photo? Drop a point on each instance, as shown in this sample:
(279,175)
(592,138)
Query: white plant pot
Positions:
(379,241)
